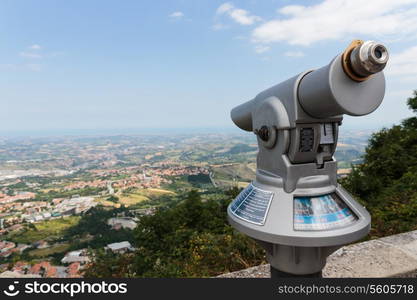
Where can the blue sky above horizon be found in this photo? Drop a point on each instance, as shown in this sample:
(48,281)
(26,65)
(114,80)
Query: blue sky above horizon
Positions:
(182,63)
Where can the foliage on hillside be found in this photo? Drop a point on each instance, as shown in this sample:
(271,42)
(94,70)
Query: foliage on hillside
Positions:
(241,148)
(199,180)
(386,182)
(191,239)
(93,231)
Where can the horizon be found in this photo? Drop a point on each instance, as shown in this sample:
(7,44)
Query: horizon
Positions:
(85,132)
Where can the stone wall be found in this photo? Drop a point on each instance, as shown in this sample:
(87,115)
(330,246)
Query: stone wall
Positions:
(392,256)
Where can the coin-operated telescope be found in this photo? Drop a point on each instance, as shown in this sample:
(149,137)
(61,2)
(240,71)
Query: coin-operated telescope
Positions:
(295,208)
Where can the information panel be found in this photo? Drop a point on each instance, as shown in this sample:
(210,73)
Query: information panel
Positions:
(252,205)
(321,213)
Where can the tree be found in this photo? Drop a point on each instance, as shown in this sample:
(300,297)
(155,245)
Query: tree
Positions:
(113,199)
(386,182)
(189,239)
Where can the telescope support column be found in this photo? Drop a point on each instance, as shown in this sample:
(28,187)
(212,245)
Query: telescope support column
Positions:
(275,273)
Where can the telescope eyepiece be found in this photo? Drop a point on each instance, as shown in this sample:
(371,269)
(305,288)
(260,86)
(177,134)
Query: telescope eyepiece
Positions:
(368,58)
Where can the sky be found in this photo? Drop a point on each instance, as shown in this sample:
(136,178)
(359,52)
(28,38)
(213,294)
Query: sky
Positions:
(115,65)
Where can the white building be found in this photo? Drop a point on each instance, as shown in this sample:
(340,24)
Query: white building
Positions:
(38,218)
(122,222)
(76,256)
(120,247)
(46,215)
(74,205)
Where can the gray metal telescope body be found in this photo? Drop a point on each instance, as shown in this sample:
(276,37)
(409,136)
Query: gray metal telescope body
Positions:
(296,123)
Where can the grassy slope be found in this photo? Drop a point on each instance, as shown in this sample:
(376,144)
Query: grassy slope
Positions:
(44,230)
(59,248)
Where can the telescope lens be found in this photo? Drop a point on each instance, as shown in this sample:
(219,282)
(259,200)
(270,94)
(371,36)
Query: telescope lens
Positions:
(368,58)
(378,53)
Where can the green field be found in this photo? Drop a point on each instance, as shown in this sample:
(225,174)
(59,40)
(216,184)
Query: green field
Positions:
(132,199)
(140,195)
(105,202)
(59,248)
(155,192)
(135,197)
(49,230)
(239,172)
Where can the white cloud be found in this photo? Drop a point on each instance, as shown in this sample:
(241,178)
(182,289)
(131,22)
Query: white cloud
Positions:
(336,19)
(240,16)
(403,64)
(30,55)
(294,54)
(35,47)
(262,49)
(177,15)
(225,7)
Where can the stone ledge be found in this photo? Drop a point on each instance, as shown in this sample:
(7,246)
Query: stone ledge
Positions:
(391,256)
